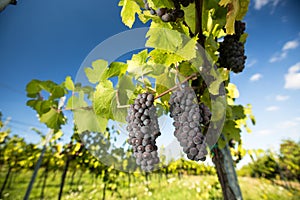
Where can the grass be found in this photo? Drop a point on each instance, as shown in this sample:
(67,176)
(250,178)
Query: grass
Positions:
(189,187)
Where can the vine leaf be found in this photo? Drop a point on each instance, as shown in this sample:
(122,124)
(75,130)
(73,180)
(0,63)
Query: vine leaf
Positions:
(40,106)
(34,87)
(161,36)
(159,56)
(233,7)
(188,50)
(115,69)
(69,84)
(137,66)
(244,4)
(129,9)
(230,131)
(102,99)
(86,120)
(164,82)
(125,88)
(94,74)
(53,119)
(75,102)
(232,94)
(189,16)
(155,4)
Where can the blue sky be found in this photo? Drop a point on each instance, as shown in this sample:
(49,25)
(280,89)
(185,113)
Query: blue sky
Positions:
(49,40)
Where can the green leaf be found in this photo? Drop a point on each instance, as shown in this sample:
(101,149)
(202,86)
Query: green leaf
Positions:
(125,89)
(40,106)
(188,49)
(218,109)
(238,112)
(57,92)
(231,131)
(243,38)
(181,27)
(233,7)
(244,4)
(130,8)
(94,74)
(125,93)
(33,88)
(119,114)
(76,102)
(136,66)
(69,84)
(115,69)
(233,92)
(190,16)
(102,99)
(165,58)
(164,82)
(161,36)
(86,120)
(220,75)
(53,119)
(186,69)
(155,4)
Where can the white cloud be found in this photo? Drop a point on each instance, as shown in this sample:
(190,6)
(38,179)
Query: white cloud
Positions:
(282,97)
(292,78)
(251,63)
(293,44)
(278,57)
(272,108)
(255,77)
(264,132)
(258,4)
(289,45)
(288,124)
(297,119)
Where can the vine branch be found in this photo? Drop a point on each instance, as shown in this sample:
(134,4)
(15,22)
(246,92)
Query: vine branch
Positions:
(193,76)
(199,30)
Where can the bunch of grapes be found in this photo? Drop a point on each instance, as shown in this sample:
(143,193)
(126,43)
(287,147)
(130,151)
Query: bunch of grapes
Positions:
(239,28)
(232,52)
(168,15)
(143,130)
(188,117)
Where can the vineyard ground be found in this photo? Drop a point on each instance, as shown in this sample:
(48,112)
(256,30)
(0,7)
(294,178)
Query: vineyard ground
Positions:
(159,187)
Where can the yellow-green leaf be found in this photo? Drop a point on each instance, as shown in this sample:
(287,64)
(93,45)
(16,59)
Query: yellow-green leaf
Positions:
(130,8)
(69,83)
(233,7)
(94,74)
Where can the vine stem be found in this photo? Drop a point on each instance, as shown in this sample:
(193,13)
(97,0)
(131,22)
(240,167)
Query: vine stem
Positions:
(199,30)
(193,76)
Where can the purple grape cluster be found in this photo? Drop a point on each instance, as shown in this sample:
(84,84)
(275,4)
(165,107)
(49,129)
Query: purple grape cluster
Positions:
(232,52)
(168,15)
(188,117)
(143,130)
